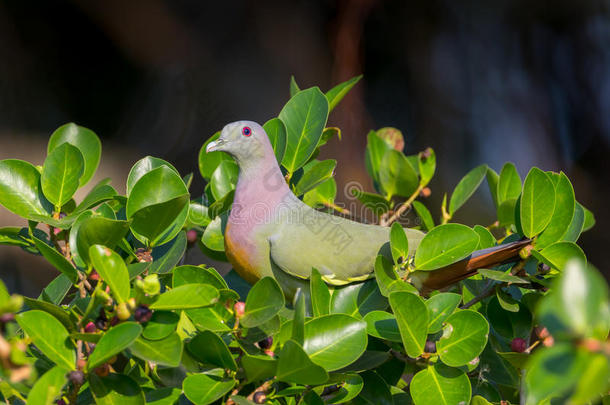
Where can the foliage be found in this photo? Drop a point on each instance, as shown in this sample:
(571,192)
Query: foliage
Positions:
(126,321)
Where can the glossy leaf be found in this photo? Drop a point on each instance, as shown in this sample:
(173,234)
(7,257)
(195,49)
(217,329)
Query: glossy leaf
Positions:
(388,280)
(305,117)
(565,204)
(298,321)
(440,307)
(412,317)
(87,143)
(486,238)
(20,190)
(398,243)
(264,301)
(323,195)
(276,131)
(294,87)
(537,202)
(559,253)
(295,366)
(427,166)
(375,202)
(61,173)
(167,256)
(56,259)
(576,224)
(509,183)
(424,215)
(502,276)
(114,341)
(116,389)
(213,236)
(315,173)
(189,274)
(349,387)
(208,162)
(506,212)
(492,182)
(334,341)
(444,245)
(464,338)
(209,348)
(164,352)
(99,193)
(49,336)
(258,368)
(320,294)
(144,166)
(376,390)
(112,270)
(224,179)
(382,325)
(187,296)
(96,231)
(396,175)
(442,385)
(336,94)
(466,188)
(357,299)
(161,325)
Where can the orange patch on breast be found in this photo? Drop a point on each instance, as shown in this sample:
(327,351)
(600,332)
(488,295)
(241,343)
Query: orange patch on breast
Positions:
(240,258)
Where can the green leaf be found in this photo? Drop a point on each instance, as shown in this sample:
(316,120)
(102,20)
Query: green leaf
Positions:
(58,312)
(112,270)
(93,230)
(396,175)
(388,280)
(440,307)
(295,366)
(164,352)
(506,212)
(305,117)
(502,276)
(213,236)
(576,225)
(424,215)
(298,321)
(87,143)
(375,202)
(427,166)
(208,162)
(464,338)
(382,325)
(189,274)
(565,204)
(440,385)
(506,301)
(258,368)
(114,341)
(594,381)
(144,166)
(328,134)
(376,150)
(412,317)
(294,87)
(589,220)
(167,256)
(56,259)
(492,182)
(161,325)
(552,372)
(224,179)
(187,296)
(486,238)
(56,290)
(99,193)
(323,195)
(315,173)
(466,188)
(264,301)
(49,336)
(334,341)
(48,387)
(276,131)
(320,294)
(336,94)
(61,172)
(163,396)
(209,348)
(357,299)
(537,202)
(444,245)
(20,190)
(509,183)
(116,389)
(376,390)
(559,253)
(399,243)
(349,387)
(158,206)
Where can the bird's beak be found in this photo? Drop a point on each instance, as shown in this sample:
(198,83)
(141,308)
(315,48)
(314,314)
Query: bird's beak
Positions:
(214,145)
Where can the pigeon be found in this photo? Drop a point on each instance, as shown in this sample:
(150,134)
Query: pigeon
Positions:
(271,232)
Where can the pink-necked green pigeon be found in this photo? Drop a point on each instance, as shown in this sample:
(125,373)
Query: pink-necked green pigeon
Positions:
(270,232)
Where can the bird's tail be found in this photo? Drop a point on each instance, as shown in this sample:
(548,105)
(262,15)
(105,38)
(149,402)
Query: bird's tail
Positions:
(480,259)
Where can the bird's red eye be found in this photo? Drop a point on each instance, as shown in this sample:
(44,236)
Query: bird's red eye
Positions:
(246,131)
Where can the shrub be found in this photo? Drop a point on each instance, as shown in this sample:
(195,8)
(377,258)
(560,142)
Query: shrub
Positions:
(127,322)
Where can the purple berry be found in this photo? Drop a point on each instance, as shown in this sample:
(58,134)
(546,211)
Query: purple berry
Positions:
(266,343)
(430,347)
(142,314)
(191,236)
(76,377)
(259,397)
(518,345)
(90,328)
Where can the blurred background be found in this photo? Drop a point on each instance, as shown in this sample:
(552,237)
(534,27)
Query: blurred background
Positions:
(479,81)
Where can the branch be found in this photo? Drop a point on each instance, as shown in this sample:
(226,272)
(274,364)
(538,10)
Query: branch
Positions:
(403,207)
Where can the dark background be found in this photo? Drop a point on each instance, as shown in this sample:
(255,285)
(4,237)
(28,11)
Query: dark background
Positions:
(480,81)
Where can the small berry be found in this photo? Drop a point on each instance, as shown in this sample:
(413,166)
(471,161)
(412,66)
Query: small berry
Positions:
(91,346)
(114,321)
(239,308)
(266,343)
(259,397)
(191,236)
(76,377)
(60,402)
(94,276)
(425,192)
(131,304)
(123,312)
(6,318)
(103,370)
(81,363)
(269,353)
(542,332)
(518,345)
(90,328)
(426,153)
(142,314)
(430,347)
(548,341)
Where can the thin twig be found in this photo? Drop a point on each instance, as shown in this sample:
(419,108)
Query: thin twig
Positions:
(403,207)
